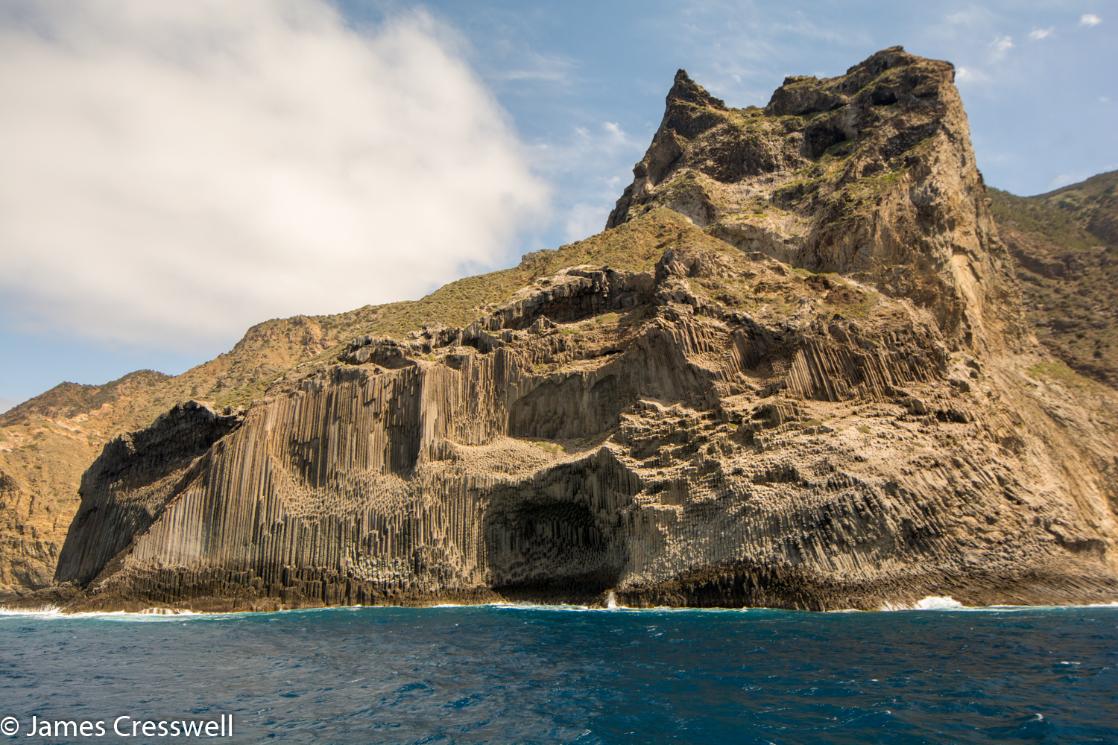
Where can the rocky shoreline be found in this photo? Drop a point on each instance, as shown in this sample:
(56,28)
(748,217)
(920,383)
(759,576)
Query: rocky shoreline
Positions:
(720,589)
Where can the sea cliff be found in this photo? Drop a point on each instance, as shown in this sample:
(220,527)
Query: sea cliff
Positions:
(795,370)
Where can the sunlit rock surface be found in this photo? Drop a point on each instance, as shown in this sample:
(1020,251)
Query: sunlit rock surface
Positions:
(794,371)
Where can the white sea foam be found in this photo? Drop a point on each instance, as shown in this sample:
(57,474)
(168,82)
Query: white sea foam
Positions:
(540,606)
(147,614)
(948,603)
(45,611)
(931,602)
(938,602)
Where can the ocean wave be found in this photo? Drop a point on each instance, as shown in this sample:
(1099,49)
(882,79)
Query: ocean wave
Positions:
(45,611)
(155,614)
(929,602)
(147,614)
(948,603)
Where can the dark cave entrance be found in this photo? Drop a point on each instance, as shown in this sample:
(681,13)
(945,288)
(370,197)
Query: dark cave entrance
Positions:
(552,549)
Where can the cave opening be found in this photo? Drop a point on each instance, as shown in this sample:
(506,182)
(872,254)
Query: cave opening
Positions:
(552,549)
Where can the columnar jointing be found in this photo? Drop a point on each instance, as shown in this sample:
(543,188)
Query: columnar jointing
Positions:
(793,372)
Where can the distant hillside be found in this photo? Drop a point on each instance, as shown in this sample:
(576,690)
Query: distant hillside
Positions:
(1065,243)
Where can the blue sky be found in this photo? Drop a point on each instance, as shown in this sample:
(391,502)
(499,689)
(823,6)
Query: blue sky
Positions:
(572,92)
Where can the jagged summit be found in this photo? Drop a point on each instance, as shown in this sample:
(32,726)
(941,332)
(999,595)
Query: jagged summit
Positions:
(686,90)
(869,174)
(804,94)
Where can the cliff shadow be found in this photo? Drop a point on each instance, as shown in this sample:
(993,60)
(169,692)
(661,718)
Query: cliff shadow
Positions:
(564,535)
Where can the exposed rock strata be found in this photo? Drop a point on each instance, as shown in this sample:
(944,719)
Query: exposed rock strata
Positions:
(793,372)
(689,450)
(125,489)
(47,443)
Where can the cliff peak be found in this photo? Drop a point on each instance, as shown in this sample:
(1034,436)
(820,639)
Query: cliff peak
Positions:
(869,173)
(686,90)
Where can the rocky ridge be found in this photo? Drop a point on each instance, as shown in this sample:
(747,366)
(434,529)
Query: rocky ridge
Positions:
(47,443)
(1065,247)
(793,371)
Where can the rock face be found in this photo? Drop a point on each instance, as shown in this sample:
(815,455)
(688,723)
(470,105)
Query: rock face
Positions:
(794,371)
(124,490)
(1065,246)
(869,174)
(47,443)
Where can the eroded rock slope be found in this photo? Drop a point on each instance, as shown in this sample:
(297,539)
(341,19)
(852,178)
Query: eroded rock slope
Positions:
(1065,247)
(793,371)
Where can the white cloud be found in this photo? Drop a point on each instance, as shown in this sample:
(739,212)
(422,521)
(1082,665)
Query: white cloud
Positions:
(1063,179)
(969,76)
(606,138)
(1037,34)
(1000,46)
(532,67)
(603,150)
(1089,19)
(172,172)
(585,219)
(972,16)
(618,137)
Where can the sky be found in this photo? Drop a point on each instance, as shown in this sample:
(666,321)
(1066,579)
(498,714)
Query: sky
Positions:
(171,173)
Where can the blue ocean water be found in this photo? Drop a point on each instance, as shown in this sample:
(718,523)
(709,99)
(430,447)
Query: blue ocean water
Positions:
(514,674)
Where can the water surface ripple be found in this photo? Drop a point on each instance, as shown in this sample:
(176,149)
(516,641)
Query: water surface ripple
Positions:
(512,674)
